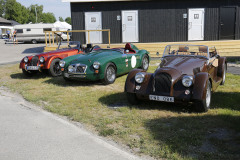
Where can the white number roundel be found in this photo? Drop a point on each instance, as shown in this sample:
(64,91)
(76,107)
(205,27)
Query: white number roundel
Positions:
(133,61)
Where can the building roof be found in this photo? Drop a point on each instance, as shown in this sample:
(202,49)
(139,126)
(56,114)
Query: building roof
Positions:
(2,20)
(14,23)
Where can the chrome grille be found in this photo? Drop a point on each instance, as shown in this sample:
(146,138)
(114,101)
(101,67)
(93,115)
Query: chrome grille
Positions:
(34,61)
(80,69)
(163,82)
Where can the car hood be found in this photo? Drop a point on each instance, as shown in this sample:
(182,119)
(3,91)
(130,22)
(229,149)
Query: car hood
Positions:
(94,56)
(183,64)
(47,54)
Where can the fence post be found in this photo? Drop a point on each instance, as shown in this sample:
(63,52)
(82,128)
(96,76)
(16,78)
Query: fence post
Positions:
(53,37)
(109,38)
(49,39)
(46,38)
(88,36)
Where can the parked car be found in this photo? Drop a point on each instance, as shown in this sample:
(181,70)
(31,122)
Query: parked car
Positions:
(50,60)
(187,73)
(104,64)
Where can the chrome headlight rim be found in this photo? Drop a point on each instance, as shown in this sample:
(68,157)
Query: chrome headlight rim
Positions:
(70,68)
(62,63)
(25,59)
(42,59)
(96,65)
(187,81)
(139,77)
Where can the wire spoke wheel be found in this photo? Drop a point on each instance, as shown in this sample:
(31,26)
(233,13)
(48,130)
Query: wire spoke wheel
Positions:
(111,75)
(145,63)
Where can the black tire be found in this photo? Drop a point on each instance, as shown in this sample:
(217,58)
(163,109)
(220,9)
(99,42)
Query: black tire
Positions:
(28,73)
(224,74)
(204,105)
(145,63)
(132,98)
(55,69)
(109,74)
(34,41)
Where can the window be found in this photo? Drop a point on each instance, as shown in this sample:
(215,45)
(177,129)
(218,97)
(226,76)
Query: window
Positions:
(47,29)
(28,29)
(19,30)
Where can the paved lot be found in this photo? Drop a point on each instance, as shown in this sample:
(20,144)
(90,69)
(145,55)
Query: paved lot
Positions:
(14,53)
(29,133)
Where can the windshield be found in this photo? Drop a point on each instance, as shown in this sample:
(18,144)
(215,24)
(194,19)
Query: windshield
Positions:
(70,45)
(186,50)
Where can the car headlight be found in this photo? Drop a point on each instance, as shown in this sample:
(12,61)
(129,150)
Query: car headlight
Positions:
(187,81)
(25,59)
(42,59)
(139,77)
(62,63)
(70,68)
(96,65)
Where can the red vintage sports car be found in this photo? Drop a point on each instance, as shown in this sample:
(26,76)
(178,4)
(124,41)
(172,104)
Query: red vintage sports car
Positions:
(50,60)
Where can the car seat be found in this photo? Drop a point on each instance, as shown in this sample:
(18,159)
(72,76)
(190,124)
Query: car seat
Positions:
(129,48)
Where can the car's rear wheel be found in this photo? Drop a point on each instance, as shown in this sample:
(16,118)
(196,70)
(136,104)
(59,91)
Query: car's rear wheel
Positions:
(109,74)
(132,98)
(55,69)
(34,41)
(224,74)
(28,73)
(145,63)
(204,105)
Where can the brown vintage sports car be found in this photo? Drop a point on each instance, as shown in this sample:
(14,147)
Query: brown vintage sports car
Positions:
(187,73)
(49,61)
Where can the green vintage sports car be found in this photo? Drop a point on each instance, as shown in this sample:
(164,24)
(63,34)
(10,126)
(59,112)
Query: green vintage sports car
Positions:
(104,64)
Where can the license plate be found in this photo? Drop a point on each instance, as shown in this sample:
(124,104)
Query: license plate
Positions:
(161,98)
(32,67)
(79,76)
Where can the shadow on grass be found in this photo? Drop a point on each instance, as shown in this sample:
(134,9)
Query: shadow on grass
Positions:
(34,76)
(197,137)
(63,83)
(120,100)
(224,100)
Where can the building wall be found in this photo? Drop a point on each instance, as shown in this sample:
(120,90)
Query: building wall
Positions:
(159,21)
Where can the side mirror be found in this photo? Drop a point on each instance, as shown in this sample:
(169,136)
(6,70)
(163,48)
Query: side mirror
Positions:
(157,53)
(127,51)
(217,56)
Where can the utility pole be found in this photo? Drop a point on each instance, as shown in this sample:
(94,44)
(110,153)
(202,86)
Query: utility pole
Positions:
(36,13)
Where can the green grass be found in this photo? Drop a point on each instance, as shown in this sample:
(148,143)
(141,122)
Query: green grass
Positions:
(160,130)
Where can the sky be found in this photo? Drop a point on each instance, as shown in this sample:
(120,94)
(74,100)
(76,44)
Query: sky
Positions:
(57,7)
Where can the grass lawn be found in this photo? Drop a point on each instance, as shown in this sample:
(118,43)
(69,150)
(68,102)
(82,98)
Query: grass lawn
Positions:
(160,130)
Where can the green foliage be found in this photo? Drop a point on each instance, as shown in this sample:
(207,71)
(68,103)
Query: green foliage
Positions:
(15,11)
(2,6)
(48,18)
(68,20)
(61,19)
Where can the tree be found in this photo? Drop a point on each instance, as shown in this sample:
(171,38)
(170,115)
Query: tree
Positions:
(48,18)
(61,19)
(68,20)
(2,6)
(35,15)
(15,11)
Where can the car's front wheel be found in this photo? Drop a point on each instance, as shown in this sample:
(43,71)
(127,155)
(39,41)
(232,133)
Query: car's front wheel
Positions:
(55,69)
(132,98)
(109,74)
(145,63)
(28,73)
(204,105)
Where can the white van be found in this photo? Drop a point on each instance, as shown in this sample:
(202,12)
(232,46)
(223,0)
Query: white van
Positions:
(35,32)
